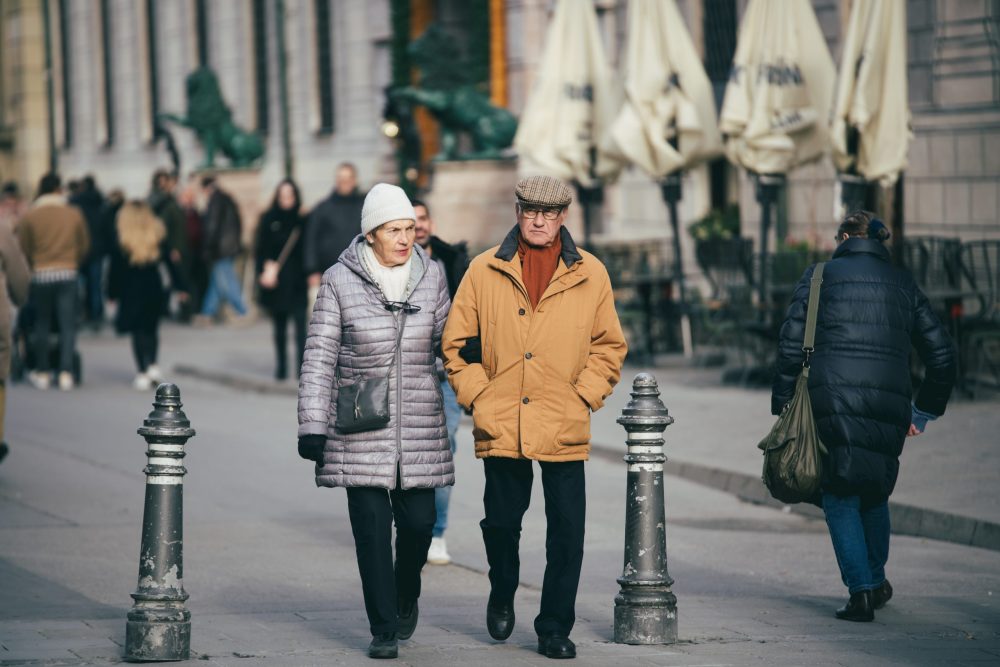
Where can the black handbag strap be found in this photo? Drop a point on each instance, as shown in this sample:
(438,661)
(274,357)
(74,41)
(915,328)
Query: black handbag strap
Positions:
(809,342)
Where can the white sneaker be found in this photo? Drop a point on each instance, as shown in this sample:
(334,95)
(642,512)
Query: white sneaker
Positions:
(154,373)
(438,553)
(40,381)
(65,381)
(142,382)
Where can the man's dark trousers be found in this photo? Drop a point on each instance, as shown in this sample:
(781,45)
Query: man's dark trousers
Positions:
(506,498)
(56,300)
(372,513)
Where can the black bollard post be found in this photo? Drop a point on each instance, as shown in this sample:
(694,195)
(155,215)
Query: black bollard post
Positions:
(645,609)
(159,624)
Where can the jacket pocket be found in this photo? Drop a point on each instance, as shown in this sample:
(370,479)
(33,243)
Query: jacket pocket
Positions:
(484,413)
(575,428)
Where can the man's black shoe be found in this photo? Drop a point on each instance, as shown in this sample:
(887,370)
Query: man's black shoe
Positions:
(384,646)
(408,614)
(858,608)
(881,595)
(556,646)
(500,621)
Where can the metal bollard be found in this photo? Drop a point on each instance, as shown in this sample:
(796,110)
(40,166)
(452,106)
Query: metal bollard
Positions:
(159,624)
(645,609)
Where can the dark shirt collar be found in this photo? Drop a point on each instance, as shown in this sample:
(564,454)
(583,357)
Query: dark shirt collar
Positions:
(855,246)
(570,255)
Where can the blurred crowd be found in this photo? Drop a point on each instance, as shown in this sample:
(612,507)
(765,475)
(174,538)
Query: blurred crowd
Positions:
(92,258)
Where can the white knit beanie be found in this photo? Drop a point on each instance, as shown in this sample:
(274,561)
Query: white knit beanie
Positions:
(385,203)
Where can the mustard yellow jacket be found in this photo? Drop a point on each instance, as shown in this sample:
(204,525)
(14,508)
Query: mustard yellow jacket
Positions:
(544,370)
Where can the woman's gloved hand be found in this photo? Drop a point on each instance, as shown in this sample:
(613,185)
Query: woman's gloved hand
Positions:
(472,351)
(311,447)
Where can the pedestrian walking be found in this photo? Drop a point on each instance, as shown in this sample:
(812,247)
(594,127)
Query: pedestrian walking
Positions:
(533,346)
(135,282)
(166,207)
(280,272)
(91,203)
(870,314)
(199,269)
(332,225)
(15,279)
(55,241)
(220,246)
(454,261)
(369,406)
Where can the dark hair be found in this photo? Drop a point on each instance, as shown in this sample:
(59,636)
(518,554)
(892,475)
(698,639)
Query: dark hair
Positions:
(49,183)
(10,189)
(208,181)
(295,189)
(420,202)
(160,174)
(864,225)
(88,182)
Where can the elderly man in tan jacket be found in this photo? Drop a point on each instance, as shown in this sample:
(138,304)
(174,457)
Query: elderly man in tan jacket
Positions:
(533,346)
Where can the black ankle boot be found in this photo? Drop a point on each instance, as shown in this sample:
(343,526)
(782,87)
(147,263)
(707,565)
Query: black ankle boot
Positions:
(500,620)
(408,612)
(384,647)
(881,595)
(858,608)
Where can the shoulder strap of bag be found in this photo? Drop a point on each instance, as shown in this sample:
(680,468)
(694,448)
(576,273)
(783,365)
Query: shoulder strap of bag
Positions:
(399,340)
(808,344)
(287,248)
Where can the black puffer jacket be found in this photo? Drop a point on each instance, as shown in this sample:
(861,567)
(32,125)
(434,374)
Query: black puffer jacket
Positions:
(870,313)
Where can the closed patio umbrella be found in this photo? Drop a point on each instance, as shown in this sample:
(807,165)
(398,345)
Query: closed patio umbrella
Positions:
(870,124)
(775,110)
(571,104)
(667,121)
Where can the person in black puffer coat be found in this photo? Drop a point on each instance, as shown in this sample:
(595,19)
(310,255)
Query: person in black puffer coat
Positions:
(870,315)
(281,227)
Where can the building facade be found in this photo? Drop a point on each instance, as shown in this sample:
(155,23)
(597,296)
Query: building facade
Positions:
(116,65)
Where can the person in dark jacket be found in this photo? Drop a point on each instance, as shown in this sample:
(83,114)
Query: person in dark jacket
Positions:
(280,273)
(165,207)
(870,314)
(454,261)
(332,225)
(220,247)
(380,314)
(90,201)
(135,282)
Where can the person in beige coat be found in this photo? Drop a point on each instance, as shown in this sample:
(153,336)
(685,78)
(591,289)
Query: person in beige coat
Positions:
(533,346)
(14,280)
(55,240)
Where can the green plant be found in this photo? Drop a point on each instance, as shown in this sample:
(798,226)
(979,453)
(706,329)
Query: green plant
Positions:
(718,224)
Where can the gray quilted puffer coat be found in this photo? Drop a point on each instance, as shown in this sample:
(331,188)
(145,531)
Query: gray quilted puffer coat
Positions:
(352,332)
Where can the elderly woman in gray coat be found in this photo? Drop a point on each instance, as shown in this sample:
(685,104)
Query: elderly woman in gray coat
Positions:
(379,314)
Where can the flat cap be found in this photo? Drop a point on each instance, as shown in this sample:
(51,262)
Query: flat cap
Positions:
(543,191)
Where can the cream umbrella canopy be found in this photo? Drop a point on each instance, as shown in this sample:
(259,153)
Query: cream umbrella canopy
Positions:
(775,110)
(667,121)
(870,125)
(571,105)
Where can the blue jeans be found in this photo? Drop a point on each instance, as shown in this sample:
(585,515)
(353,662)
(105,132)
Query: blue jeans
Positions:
(223,285)
(442,495)
(860,534)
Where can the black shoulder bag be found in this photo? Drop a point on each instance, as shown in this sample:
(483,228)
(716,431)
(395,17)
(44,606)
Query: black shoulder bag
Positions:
(364,405)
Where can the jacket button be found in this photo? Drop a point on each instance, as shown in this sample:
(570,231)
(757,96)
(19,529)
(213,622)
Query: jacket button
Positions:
(521,311)
(525,400)
(527,355)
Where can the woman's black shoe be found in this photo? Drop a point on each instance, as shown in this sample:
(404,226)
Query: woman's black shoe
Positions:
(384,646)
(881,595)
(556,646)
(408,614)
(500,621)
(858,608)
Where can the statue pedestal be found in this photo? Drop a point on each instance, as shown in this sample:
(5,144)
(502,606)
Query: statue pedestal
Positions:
(473,200)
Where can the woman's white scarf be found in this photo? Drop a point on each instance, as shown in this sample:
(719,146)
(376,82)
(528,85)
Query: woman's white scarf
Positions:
(391,280)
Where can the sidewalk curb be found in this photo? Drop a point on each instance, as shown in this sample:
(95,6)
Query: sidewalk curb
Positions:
(906,519)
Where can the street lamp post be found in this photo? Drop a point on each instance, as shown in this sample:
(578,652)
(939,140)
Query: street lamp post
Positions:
(159,623)
(646,608)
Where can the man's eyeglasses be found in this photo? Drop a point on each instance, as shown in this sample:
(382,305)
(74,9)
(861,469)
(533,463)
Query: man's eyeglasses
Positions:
(549,214)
